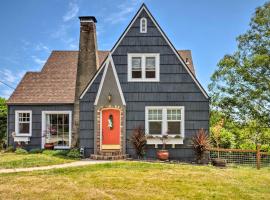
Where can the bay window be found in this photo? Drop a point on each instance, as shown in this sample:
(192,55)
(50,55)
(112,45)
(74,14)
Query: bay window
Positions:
(143,67)
(164,120)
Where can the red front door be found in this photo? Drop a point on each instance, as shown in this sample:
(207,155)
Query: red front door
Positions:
(110,129)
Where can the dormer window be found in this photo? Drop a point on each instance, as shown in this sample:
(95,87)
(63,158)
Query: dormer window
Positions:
(143,25)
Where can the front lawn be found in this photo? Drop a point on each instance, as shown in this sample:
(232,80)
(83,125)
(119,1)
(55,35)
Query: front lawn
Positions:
(135,180)
(13,160)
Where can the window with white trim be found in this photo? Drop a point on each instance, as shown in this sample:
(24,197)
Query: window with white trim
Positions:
(23,123)
(57,128)
(143,67)
(164,120)
(143,25)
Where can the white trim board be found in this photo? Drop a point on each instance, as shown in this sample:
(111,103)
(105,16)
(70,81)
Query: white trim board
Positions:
(143,7)
(108,62)
(93,79)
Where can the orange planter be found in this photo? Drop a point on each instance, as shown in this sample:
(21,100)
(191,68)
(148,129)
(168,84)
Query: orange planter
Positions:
(49,146)
(163,154)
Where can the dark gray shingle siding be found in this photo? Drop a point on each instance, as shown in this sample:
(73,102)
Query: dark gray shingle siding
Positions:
(176,88)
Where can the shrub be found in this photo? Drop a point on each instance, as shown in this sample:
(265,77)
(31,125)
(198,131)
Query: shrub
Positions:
(74,153)
(138,140)
(200,143)
(21,151)
(35,151)
(48,152)
(9,149)
(56,152)
(61,152)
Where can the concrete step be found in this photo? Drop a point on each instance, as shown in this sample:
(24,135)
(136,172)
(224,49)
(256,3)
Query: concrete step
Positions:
(106,157)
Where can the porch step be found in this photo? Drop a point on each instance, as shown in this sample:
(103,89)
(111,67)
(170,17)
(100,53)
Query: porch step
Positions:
(109,153)
(108,157)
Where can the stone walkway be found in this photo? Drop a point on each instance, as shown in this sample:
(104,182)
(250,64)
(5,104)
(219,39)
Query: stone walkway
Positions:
(65,165)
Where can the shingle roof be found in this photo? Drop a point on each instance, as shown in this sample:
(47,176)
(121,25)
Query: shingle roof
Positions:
(55,83)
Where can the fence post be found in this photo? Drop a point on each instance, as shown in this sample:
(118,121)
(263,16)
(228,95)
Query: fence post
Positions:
(258,156)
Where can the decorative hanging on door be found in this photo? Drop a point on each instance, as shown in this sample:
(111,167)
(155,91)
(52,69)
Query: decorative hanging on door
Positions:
(110,121)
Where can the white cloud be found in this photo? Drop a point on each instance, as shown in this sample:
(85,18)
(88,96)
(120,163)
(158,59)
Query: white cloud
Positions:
(42,47)
(38,60)
(5,93)
(8,75)
(122,11)
(72,12)
(10,78)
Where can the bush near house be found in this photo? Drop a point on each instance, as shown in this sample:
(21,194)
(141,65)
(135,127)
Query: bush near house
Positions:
(3,120)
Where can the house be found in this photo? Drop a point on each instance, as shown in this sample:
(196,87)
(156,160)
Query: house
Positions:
(94,99)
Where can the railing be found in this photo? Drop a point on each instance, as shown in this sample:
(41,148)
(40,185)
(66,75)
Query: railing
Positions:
(242,156)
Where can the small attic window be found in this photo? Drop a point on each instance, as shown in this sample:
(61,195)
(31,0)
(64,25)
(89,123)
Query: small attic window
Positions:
(143,25)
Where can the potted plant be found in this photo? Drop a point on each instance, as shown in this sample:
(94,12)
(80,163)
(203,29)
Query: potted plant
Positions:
(48,144)
(200,145)
(138,139)
(163,154)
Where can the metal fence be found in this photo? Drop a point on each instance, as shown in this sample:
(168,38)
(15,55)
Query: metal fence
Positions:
(254,158)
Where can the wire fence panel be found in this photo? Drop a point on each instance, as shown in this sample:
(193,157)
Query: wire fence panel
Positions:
(242,157)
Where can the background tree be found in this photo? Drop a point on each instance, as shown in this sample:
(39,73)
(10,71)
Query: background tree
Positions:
(3,119)
(240,87)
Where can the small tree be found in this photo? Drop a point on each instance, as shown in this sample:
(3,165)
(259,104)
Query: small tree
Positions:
(138,140)
(216,132)
(3,120)
(200,143)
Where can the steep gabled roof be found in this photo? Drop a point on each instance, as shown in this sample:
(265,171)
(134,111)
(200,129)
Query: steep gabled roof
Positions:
(144,8)
(55,83)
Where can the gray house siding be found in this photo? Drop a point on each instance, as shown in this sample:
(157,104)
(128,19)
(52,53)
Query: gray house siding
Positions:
(35,140)
(87,116)
(176,88)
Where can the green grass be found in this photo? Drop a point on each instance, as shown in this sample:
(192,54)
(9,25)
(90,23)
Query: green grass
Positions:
(12,160)
(135,180)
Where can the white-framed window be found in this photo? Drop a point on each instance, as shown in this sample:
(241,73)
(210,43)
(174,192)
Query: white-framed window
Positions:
(23,122)
(161,120)
(57,128)
(143,25)
(143,67)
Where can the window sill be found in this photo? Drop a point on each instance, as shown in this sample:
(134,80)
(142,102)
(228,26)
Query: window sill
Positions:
(61,147)
(21,138)
(170,140)
(143,80)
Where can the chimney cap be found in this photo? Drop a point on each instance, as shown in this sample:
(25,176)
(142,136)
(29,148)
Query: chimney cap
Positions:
(88,19)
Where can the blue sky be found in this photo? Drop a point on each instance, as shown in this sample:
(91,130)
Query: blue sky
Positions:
(30,29)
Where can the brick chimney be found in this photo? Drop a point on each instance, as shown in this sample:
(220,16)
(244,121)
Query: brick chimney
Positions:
(87,65)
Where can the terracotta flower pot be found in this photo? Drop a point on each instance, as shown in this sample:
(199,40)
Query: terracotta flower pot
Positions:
(163,155)
(49,146)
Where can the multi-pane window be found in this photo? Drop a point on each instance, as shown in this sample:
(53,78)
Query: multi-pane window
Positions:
(58,128)
(143,67)
(164,120)
(143,25)
(136,67)
(150,67)
(155,121)
(23,126)
(174,121)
